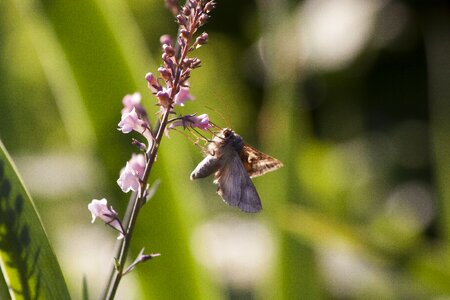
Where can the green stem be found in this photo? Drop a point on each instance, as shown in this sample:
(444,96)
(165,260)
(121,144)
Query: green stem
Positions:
(131,215)
(137,199)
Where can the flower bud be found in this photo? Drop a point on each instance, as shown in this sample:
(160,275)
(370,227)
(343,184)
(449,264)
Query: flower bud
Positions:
(166,39)
(167,59)
(182,20)
(201,40)
(164,97)
(168,50)
(203,19)
(165,73)
(153,84)
(186,11)
(210,6)
(184,33)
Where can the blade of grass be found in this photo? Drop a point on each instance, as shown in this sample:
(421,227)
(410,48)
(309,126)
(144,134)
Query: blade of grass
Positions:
(27,261)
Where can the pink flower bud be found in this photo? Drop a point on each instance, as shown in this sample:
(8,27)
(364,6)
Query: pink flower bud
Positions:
(184,33)
(165,73)
(165,40)
(168,50)
(153,84)
(201,40)
(203,19)
(186,11)
(210,6)
(181,20)
(164,97)
(168,60)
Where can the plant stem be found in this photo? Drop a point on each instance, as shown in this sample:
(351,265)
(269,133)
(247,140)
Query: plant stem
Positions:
(137,199)
(131,215)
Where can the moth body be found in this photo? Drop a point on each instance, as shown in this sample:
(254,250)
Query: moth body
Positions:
(233,163)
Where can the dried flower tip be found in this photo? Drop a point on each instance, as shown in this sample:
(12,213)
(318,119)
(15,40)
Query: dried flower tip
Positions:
(153,84)
(165,73)
(168,50)
(210,6)
(166,40)
(164,98)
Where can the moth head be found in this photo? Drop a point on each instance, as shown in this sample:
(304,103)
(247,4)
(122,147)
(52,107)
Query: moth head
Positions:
(229,137)
(227,133)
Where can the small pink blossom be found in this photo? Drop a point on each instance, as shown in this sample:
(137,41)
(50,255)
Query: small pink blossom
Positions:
(182,96)
(201,121)
(165,40)
(132,101)
(153,84)
(164,97)
(130,121)
(100,209)
(131,176)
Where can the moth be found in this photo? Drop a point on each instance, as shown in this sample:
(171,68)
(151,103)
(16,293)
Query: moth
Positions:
(233,163)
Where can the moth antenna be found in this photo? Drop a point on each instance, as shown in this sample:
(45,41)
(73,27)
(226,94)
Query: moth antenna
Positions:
(221,116)
(200,134)
(193,141)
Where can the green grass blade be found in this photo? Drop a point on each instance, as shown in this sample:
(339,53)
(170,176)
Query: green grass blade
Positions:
(27,261)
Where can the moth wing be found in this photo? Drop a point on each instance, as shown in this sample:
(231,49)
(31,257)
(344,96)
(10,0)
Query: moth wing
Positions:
(236,187)
(257,163)
(206,167)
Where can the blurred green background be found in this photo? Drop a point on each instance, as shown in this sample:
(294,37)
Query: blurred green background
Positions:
(352,96)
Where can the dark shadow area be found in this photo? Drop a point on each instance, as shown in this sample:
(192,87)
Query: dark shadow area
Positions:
(15,240)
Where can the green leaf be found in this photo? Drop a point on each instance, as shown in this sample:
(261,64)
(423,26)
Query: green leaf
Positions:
(27,262)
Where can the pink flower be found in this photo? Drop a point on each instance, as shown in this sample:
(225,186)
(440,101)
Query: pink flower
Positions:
(182,96)
(201,121)
(153,84)
(164,97)
(100,209)
(131,176)
(132,101)
(130,121)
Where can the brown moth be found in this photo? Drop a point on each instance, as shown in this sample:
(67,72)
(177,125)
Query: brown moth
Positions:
(233,163)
